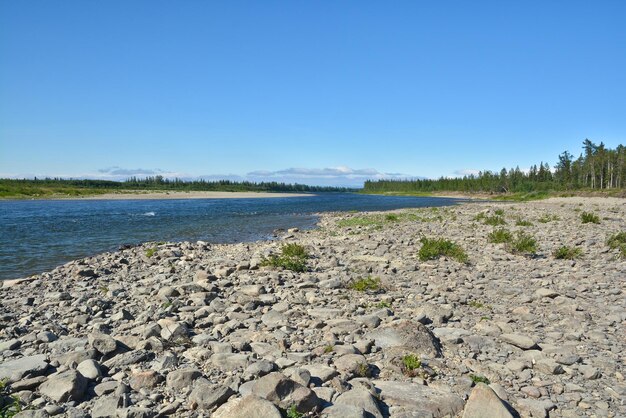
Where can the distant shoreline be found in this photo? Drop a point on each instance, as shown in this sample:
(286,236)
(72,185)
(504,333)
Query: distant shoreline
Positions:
(161,195)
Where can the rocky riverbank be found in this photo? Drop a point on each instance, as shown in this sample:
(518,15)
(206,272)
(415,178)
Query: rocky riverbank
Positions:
(367,330)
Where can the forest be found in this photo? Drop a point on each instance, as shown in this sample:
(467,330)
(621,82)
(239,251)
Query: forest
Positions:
(597,168)
(47,187)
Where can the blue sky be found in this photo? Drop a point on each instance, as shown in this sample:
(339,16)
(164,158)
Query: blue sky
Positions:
(316,92)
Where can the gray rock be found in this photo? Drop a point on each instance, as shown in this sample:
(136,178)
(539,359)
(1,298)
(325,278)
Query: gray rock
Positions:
(10,344)
(89,369)
(64,386)
(172,330)
(483,402)
(135,412)
(180,379)
(320,373)
(518,340)
(408,336)
(249,407)
(14,370)
(230,361)
(207,397)
(401,398)
(106,407)
(344,411)
(362,399)
(285,393)
(104,343)
(126,359)
(144,379)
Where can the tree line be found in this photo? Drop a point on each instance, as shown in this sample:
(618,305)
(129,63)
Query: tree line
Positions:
(597,168)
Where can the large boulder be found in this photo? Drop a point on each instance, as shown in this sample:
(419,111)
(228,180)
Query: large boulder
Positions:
(407,399)
(65,386)
(405,336)
(484,402)
(286,393)
(249,406)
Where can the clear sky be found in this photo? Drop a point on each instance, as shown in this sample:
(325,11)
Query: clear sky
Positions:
(316,92)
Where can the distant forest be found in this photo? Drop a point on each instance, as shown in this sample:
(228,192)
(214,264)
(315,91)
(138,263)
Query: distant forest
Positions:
(597,168)
(56,186)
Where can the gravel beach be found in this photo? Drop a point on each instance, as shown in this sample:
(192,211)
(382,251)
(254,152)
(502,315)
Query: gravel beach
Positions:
(369,329)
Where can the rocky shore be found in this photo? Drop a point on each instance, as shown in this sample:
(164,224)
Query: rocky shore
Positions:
(367,330)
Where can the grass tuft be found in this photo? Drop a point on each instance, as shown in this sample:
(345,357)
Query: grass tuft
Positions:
(618,241)
(523,244)
(292,257)
(366,284)
(494,220)
(150,252)
(589,217)
(567,253)
(292,412)
(410,363)
(522,222)
(479,379)
(433,248)
(548,218)
(500,236)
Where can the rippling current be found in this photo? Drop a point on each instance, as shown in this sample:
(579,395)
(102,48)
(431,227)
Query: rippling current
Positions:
(38,235)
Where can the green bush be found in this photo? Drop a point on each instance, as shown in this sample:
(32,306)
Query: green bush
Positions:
(292,257)
(410,363)
(567,253)
(292,412)
(548,218)
(588,217)
(479,379)
(367,284)
(494,220)
(392,217)
(618,241)
(500,236)
(437,247)
(522,222)
(523,244)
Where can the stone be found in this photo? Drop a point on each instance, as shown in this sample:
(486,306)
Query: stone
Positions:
(207,397)
(361,399)
(230,361)
(249,407)
(589,372)
(433,402)
(89,369)
(10,344)
(14,370)
(106,407)
(126,359)
(259,368)
(182,378)
(548,366)
(148,379)
(172,330)
(122,315)
(135,412)
(320,373)
(520,341)
(285,393)
(344,411)
(105,344)
(406,336)
(64,386)
(352,363)
(483,402)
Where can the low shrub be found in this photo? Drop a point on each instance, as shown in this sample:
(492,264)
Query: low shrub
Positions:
(523,244)
(479,379)
(433,248)
(522,222)
(410,363)
(589,217)
(567,253)
(500,236)
(366,284)
(618,241)
(494,220)
(292,257)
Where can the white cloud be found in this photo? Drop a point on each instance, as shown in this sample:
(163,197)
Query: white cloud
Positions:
(467,172)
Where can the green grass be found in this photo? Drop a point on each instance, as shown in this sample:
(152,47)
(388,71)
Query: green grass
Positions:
(391,217)
(362,370)
(382,304)
(523,244)
(522,222)
(589,217)
(567,253)
(369,283)
(618,241)
(523,197)
(494,220)
(328,349)
(380,221)
(500,236)
(292,412)
(433,248)
(150,252)
(479,379)
(547,218)
(292,257)
(12,404)
(499,212)
(478,305)
(410,363)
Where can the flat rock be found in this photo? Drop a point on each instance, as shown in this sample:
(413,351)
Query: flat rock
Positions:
(344,411)
(207,397)
(361,399)
(284,392)
(182,378)
(14,370)
(249,407)
(402,400)
(518,340)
